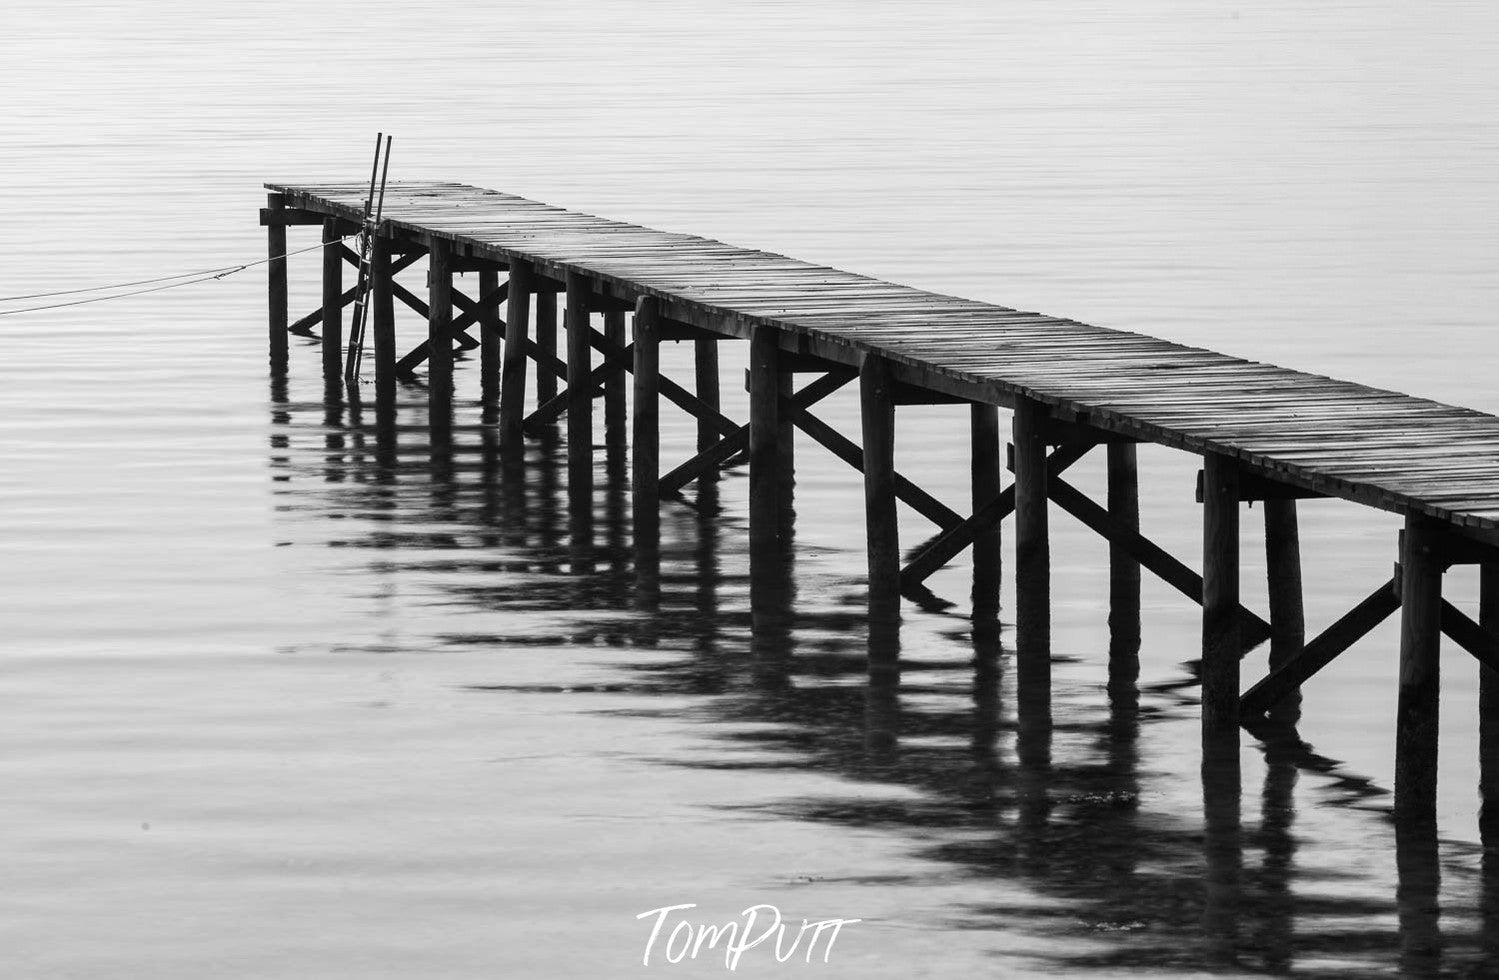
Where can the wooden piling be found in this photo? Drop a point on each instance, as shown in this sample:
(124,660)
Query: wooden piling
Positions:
(490,338)
(764,456)
(616,430)
(546,344)
(705,368)
(333,288)
(645,460)
(1221,643)
(1416,726)
(513,357)
(1124,568)
(580,398)
(1283,571)
(439,330)
(877,413)
(1032,548)
(276,284)
(985,479)
(383,313)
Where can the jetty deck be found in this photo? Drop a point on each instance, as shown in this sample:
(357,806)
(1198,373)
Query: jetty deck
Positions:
(1265,432)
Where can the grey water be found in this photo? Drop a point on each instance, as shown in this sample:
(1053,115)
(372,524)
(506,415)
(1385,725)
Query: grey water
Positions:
(287,696)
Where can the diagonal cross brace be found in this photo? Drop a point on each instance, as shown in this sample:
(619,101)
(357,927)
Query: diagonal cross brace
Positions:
(737,442)
(683,398)
(349,295)
(553,408)
(844,448)
(1253,629)
(471,311)
(948,545)
(1481,643)
(1352,627)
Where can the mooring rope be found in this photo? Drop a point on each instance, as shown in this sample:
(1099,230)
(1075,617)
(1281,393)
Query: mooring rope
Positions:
(190,279)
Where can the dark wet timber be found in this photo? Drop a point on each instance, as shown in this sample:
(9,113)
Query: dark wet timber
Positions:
(1266,433)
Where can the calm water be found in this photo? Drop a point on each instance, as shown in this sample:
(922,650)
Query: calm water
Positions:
(287,697)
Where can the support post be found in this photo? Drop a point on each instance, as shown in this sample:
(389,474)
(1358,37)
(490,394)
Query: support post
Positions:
(579,407)
(985,484)
(1421,570)
(1221,642)
(764,457)
(333,288)
(877,412)
(1283,570)
(705,365)
(615,435)
(382,311)
(786,464)
(1032,550)
(645,460)
(276,285)
(1488,767)
(546,343)
(489,340)
(1124,568)
(439,332)
(513,358)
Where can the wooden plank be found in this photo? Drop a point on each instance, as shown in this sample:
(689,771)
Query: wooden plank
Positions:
(513,358)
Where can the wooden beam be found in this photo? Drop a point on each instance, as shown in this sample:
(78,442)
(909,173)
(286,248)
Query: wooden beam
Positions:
(1416,723)
(277,215)
(348,296)
(948,545)
(882,526)
(276,287)
(1328,645)
(1222,645)
(1161,563)
(1255,486)
(474,310)
(554,408)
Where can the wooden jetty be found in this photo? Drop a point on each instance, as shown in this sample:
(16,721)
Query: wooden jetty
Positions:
(1265,433)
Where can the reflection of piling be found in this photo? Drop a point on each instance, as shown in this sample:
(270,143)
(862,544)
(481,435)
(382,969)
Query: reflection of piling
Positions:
(1418,863)
(1223,845)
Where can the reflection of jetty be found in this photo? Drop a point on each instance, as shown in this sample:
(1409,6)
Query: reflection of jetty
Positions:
(1265,433)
